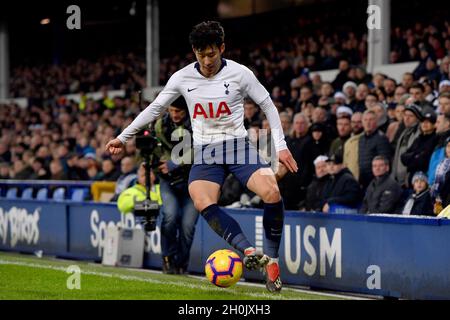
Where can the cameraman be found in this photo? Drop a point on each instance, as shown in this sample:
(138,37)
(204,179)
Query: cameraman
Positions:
(179,215)
(127,198)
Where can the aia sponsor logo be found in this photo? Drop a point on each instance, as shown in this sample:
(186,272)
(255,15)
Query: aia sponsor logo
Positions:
(211,111)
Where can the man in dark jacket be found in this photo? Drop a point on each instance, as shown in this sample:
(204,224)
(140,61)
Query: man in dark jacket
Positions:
(342,188)
(383,193)
(344,130)
(314,191)
(417,157)
(371,144)
(420,202)
(293,185)
(411,117)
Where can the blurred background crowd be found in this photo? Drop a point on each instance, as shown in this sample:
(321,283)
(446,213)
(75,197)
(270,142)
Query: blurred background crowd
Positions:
(363,140)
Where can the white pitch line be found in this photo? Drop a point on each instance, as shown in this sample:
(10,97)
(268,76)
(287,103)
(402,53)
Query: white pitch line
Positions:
(192,286)
(135,278)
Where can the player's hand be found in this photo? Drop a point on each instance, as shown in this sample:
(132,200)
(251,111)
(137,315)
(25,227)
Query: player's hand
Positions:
(115,146)
(287,160)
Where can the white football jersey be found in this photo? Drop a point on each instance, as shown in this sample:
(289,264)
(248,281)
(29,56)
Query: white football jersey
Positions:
(215,104)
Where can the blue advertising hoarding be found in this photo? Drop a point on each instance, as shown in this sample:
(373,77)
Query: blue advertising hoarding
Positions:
(403,257)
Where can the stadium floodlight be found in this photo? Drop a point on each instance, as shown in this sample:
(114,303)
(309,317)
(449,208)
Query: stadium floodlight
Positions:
(45,21)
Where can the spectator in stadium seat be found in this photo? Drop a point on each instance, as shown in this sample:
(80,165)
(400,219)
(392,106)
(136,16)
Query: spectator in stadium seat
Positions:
(326,90)
(372,143)
(109,171)
(351,146)
(383,120)
(321,115)
(4,171)
(432,71)
(369,102)
(419,202)
(411,119)
(389,86)
(342,76)
(444,103)
(21,171)
(442,133)
(293,185)
(344,129)
(5,153)
(362,92)
(321,142)
(74,172)
(362,76)
(400,91)
(313,200)
(396,127)
(127,177)
(57,171)
(424,54)
(378,80)
(417,157)
(349,90)
(306,97)
(251,113)
(383,193)
(407,80)
(342,188)
(417,92)
(39,170)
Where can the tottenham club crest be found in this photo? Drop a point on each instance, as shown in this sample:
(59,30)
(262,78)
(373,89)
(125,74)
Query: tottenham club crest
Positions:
(226,85)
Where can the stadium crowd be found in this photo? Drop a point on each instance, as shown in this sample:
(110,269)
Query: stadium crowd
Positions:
(363,141)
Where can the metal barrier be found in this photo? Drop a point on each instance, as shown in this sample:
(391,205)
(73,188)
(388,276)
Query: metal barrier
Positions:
(395,256)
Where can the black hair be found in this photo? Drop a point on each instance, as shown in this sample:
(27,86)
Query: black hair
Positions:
(418,86)
(180,103)
(206,34)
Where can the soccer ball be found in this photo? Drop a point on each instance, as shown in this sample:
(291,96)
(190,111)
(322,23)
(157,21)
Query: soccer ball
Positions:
(223,268)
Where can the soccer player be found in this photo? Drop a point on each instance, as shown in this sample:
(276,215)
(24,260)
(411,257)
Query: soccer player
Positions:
(214,89)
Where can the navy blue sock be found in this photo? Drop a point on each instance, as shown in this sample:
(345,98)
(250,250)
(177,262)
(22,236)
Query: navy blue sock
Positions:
(273,220)
(226,227)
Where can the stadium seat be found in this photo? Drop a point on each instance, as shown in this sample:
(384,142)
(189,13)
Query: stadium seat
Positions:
(11,193)
(27,193)
(59,194)
(42,194)
(78,195)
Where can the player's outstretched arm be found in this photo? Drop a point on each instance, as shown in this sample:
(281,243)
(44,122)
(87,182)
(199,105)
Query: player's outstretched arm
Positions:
(169,94)
(284,155)
(256,91)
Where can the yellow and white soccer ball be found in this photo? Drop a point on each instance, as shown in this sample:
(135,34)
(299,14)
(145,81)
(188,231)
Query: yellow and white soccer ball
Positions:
(223,268)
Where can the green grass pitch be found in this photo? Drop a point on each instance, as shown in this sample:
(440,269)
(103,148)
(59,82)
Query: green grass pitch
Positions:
(30,277)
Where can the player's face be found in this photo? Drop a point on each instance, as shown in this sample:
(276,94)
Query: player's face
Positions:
(209,59)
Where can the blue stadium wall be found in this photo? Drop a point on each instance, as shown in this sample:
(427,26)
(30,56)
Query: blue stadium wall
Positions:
(402,257)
